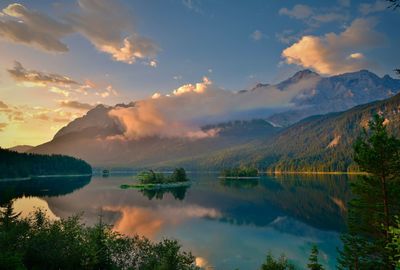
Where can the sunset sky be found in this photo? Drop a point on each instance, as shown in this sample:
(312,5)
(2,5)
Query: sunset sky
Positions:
(61,58)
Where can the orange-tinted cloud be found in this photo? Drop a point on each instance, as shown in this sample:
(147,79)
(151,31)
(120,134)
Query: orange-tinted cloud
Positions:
(117,36)
(336,53)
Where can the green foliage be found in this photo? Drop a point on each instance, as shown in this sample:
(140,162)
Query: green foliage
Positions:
(13,165)
(376,200)
(39,243)
(241,171)
(394,245)
(281,263)
(313,263)
(151,177)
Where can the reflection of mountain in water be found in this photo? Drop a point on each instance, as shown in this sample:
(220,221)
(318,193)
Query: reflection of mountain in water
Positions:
(49,186)
(315,200)
(177,192)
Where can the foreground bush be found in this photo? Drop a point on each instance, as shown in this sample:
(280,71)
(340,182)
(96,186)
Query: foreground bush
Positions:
(39,243)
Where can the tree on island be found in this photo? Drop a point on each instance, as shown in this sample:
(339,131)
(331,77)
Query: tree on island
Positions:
(376,200)
(313,263)
(151,177)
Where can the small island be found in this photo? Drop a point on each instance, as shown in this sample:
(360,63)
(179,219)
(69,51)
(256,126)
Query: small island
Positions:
(240,173)
(150,180)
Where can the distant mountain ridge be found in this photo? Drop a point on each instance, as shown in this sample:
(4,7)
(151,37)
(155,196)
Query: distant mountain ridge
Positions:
(320,143)
(21,148)
(87,137)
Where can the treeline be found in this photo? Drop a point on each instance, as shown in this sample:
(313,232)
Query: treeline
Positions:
(39,243)
(13,165)
(241,171)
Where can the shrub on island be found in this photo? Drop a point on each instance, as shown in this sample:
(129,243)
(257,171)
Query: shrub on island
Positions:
(151,177)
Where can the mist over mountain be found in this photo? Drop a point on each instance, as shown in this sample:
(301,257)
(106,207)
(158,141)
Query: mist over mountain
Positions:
(162,131)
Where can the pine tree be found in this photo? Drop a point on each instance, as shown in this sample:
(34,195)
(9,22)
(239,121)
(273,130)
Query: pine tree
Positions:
(376,200)
(8,216)
(313,263)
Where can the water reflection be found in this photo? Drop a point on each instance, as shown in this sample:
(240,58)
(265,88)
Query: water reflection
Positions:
(177,192)
(227,224)
(49,186)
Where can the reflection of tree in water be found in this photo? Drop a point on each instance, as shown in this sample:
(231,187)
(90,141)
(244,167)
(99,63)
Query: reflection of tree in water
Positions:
(240,183)
(39,187)
(178,193)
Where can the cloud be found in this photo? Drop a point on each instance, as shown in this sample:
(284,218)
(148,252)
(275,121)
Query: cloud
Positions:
(315,16)
(114,21)
(3,105)
(58,84)
(21,74)
(186,109)
(27,114)
(192,5)
(3,126)
(298,11)
(329,54)
(368,8)
(73,104)
(33,28)
(257,35)
(116,37)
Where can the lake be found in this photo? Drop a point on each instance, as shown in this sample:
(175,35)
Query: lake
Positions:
(227,224)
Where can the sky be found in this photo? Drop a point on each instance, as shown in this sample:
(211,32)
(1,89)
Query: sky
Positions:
(58,59)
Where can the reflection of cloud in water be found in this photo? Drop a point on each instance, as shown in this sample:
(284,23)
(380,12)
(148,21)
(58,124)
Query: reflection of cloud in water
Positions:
(201,262)
(27,205)
(136,220)
(149,221)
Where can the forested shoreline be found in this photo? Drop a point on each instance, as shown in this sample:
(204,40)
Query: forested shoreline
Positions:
(25,165)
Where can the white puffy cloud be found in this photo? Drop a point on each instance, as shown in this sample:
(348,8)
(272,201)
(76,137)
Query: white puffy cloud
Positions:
(329,54)
(106,24)
(187,108)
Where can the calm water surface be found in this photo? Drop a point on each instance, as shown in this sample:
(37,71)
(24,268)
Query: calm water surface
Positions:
(227,224)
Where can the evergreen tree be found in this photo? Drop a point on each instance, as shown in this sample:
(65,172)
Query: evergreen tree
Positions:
(281,263)
(394,245)
(8,216)
(376,200)
(313,263)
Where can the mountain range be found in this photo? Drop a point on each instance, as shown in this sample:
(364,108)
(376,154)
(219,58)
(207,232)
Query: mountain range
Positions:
(313,134)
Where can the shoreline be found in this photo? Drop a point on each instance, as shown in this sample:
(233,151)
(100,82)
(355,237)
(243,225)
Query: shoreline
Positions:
(32,177)
(239,177)
(333,173)
(155,186)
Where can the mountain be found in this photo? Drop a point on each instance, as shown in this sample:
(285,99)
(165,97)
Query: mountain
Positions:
(98,138)
(317,143)
(92,144)
(21,148)
(336,93)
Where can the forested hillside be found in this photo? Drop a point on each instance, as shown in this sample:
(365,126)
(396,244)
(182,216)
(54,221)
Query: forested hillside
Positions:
(318,143)
(13,164)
